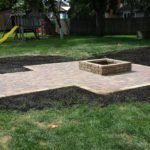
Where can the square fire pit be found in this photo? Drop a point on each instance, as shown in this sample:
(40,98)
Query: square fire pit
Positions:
(105,66)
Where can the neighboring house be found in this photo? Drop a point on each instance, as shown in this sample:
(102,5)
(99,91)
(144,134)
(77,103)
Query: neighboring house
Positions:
(63,8)
(124,11)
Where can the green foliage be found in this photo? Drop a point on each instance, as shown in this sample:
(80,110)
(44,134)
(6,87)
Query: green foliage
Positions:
(94,7)
(27,5)
(6,4)
(19,6)
(143,5)
(88,6)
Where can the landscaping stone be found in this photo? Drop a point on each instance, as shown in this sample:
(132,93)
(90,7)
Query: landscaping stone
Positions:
(105,66)
(58,75)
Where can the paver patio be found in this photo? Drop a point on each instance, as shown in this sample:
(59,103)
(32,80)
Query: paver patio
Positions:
(53,76)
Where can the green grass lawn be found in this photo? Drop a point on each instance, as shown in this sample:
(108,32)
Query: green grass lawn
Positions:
(115,127)
(76,47)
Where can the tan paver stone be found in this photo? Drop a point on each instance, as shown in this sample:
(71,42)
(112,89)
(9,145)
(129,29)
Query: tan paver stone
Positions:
(58,75)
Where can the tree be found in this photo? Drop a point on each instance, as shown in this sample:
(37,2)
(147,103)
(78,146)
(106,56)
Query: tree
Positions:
(96,7)
(23,6)
(143,5)
(55,6)
(27,5)
(6,4)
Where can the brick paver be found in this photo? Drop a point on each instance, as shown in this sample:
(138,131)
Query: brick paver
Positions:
(58,75)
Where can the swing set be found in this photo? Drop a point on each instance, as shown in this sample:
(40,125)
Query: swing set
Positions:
(21,24)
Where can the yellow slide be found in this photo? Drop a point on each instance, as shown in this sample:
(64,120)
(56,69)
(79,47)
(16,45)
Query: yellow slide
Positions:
(5,37)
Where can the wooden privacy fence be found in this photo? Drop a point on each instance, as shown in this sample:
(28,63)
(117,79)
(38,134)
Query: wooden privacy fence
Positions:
(83,26)
(112,26)
(4,19)
(86,26)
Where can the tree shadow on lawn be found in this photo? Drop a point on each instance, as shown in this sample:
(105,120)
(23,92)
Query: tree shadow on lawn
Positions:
(79,40)
(106,40)
(69,96)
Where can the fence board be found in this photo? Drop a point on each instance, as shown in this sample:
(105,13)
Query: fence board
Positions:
(112,26)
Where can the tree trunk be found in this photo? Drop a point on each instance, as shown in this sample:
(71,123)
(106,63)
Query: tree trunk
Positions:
(60,26)
(58,20)
(100,24)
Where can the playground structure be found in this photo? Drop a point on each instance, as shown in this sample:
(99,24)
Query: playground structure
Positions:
(5,37)
(38,23)
(25,24)
(20,24)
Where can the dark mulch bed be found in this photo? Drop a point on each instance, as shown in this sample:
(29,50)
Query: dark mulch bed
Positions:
(15,64)
(138,56)
(72,95)
(67,97)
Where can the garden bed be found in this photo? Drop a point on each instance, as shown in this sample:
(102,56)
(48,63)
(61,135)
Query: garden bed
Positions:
(72,95)
(15,64)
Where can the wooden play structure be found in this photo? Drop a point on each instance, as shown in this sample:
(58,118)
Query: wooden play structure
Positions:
(20,24)
(5,36)
(26,24)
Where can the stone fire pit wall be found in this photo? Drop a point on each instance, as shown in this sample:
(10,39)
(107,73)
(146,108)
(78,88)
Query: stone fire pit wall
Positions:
(105,66)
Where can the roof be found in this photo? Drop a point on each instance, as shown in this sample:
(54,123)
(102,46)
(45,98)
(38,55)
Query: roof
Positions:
(65,6)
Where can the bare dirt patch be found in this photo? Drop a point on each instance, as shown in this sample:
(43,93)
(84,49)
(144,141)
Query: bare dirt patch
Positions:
(16,64)
(138,56)
(4,141)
